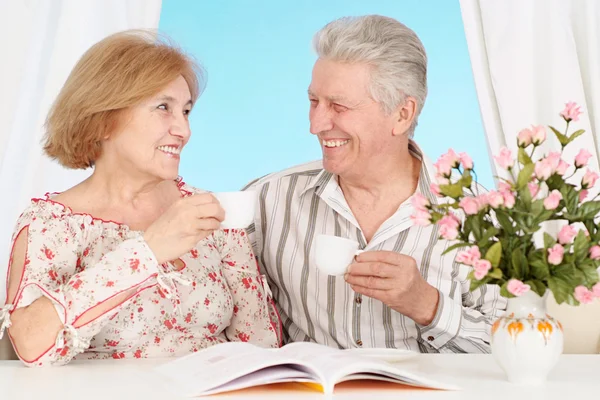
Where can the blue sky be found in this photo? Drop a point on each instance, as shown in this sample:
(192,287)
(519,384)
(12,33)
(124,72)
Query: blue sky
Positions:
(253,117)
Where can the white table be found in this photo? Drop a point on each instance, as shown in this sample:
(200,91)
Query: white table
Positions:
(478,375)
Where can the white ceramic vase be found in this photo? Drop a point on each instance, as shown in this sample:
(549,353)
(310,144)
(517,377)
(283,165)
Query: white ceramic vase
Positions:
(527,342)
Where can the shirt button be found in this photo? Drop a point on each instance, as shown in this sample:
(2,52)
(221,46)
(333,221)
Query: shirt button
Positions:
(359,343)
(430,338)
(358,299)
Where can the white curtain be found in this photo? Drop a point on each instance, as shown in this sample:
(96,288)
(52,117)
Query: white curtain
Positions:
(40,42)
(530,57)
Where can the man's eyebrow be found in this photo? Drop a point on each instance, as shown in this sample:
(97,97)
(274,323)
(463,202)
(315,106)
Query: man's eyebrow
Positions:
(331,98)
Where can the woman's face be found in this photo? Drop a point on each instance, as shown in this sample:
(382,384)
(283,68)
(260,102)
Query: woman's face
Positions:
(152,134)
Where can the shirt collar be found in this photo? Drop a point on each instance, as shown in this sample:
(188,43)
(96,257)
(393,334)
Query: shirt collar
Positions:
(324,178)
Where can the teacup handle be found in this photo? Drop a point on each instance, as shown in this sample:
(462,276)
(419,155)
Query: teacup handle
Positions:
(358,252)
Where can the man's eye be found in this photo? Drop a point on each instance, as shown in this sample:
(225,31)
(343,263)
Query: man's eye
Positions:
(339,108)
(313,102)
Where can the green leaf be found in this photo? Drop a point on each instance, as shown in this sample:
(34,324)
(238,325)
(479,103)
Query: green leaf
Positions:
(516,264)
(562,290)
(563,139)
(494,254)
(570,198)
(455,246)
(589,210)
(476,284)
(504,221)
(567,273)
(589,271)
(537,286)
(491,232)
(525,175)
(549,241)
(454,190)
(495,273)
(555,182)
(581,246)
(524,157)
(539,266)
(504,291)
(576,134)
(466,180)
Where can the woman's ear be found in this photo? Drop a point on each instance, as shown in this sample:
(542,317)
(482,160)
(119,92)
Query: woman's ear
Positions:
(405,115)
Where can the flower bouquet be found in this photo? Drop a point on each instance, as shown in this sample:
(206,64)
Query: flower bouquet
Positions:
(502,234)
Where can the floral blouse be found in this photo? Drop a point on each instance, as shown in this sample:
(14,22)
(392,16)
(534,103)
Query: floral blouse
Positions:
(214,293)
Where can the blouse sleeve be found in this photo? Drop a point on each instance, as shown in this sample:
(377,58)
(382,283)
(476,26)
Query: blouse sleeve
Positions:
(255,318)
(52,269)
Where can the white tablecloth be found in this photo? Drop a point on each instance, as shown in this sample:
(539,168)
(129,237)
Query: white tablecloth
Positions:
(480,378)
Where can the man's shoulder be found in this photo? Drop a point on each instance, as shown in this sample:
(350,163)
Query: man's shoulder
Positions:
(308,170)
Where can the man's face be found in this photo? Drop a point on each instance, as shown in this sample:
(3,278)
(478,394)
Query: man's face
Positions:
(353,130)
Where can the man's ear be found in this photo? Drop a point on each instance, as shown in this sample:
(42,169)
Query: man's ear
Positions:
(405,115)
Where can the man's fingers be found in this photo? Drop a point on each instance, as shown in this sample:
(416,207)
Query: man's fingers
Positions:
(371,282)
(377,269)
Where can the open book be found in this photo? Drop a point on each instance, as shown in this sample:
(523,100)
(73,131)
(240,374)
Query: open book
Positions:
(235,365)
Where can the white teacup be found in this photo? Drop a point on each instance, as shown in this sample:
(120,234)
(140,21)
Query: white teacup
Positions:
(239,208)
(333,254)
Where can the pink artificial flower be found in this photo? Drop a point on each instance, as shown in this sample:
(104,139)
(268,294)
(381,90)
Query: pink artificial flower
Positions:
(504,187)
(435,189)
(443,167)
(482,200)
(553,199)
(482,267)
(596,289)
(468,257)
(466,160)
(441,179)
(589,179)
(504,159)
(509,199)
(583,295)
(555,254)
(582,158)
(539,134)
(595,252)
(543,170)
(524,138)
(446,162)
(516,287)
(562,167)
(495,199)
(421,218)
(571,112)
(582,195)
(534,189)
(567,234)
(420,202)
(469,205)
(449,227)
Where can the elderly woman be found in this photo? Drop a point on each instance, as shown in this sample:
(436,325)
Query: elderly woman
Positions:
(130,263)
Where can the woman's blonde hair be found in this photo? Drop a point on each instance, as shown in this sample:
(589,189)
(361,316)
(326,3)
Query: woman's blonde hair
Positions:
(118,72)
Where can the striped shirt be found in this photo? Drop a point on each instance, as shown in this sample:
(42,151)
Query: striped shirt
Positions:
(296,205)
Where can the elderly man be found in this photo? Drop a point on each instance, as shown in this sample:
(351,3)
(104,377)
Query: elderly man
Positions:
(367,90)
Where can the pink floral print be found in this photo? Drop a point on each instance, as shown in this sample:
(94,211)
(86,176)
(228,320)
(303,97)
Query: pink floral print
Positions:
(212,294)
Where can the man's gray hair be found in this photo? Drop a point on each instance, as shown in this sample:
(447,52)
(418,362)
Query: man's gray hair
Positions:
(394,52)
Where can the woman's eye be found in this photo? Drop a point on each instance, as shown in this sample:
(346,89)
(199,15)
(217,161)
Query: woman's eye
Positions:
(186,112)
(163,107)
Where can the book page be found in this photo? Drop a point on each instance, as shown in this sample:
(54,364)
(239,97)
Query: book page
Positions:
(230,366)
(335,365)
